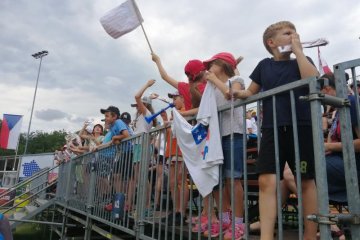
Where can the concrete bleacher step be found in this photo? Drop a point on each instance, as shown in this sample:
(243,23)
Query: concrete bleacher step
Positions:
(30,211)
(19,215)
(41,201)
(30,208)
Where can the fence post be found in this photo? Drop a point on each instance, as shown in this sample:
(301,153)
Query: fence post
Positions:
(90,200)
(352,187)
(68,181)
(319,158)
(143,175)
(66,198)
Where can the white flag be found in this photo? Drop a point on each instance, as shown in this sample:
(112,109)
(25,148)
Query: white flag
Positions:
(201,144)
(122,19)
(193,154)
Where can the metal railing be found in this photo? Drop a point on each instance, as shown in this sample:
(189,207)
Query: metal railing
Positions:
(152,193)
(35,187)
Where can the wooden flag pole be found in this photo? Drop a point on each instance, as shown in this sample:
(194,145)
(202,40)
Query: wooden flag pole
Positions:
(142,27)
(19,162)
(147,40)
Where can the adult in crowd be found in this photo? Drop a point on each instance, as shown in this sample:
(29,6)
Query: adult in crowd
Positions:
(333,147)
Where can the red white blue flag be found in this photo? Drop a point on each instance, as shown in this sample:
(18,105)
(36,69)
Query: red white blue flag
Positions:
(10,131)
(323,66)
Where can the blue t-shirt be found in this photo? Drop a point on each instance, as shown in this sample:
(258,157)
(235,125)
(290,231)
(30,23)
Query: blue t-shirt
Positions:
(117,128)
(107,137)
(270,74)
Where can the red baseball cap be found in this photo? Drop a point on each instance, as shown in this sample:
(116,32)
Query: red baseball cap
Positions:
(193,68)
(227,57)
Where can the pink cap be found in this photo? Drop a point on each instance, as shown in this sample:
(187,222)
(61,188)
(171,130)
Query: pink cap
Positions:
(227,57)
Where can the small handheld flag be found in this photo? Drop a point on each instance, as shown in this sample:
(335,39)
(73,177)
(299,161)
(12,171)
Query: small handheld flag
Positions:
(315,43)
(199,133)
(323,66)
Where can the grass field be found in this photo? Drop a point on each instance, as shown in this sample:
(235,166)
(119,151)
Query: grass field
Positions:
(31,231)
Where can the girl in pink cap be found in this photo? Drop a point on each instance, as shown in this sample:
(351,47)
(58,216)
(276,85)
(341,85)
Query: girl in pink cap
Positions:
(221,72)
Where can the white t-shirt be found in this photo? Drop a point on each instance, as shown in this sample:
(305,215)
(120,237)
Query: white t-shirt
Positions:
(162,140)
(200,145)
(254,126)
(141,125)
(208,116)
(225,115)
(205,179)
(248,125)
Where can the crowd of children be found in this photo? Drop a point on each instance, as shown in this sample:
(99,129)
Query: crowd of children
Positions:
(221,72)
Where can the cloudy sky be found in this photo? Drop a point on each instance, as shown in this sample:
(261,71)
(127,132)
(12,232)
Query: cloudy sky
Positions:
(87,70)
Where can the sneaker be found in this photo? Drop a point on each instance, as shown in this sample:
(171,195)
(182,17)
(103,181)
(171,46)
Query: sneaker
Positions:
(195,220)
(202,227)
(238,232)
(215,229)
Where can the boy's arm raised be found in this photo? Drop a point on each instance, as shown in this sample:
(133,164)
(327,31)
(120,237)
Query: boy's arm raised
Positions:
(162,71)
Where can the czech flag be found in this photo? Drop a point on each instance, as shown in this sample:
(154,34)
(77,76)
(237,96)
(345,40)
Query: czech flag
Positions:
(10,131)
(323,66)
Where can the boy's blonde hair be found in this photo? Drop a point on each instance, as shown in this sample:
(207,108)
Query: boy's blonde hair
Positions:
(272,30)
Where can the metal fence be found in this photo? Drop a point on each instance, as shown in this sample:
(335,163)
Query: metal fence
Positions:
(149,188)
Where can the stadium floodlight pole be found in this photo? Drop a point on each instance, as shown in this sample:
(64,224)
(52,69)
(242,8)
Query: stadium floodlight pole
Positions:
(36,56)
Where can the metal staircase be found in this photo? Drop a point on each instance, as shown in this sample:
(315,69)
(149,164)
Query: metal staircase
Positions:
(31,201)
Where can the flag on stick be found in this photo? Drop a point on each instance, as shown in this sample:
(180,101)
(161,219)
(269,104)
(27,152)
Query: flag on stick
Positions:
(323,66)
(10,131)
(315,43)
(122,19)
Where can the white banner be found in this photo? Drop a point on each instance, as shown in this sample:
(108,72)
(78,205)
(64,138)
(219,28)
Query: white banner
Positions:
(30,164)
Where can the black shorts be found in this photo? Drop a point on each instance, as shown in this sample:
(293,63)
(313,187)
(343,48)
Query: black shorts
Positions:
(266,161)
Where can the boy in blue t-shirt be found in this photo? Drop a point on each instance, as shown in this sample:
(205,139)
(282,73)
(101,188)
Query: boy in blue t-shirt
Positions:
(119,131)
(118,128)
(268,74)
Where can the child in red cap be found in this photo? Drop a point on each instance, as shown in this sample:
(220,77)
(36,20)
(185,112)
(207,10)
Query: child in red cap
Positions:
(221,72)
(191,91)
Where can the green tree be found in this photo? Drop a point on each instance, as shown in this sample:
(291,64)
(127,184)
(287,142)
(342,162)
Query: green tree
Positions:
(39,142)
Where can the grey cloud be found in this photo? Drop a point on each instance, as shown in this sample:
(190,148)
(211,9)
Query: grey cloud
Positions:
(82,57)
(75,119)
(51,114)
(54,114)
